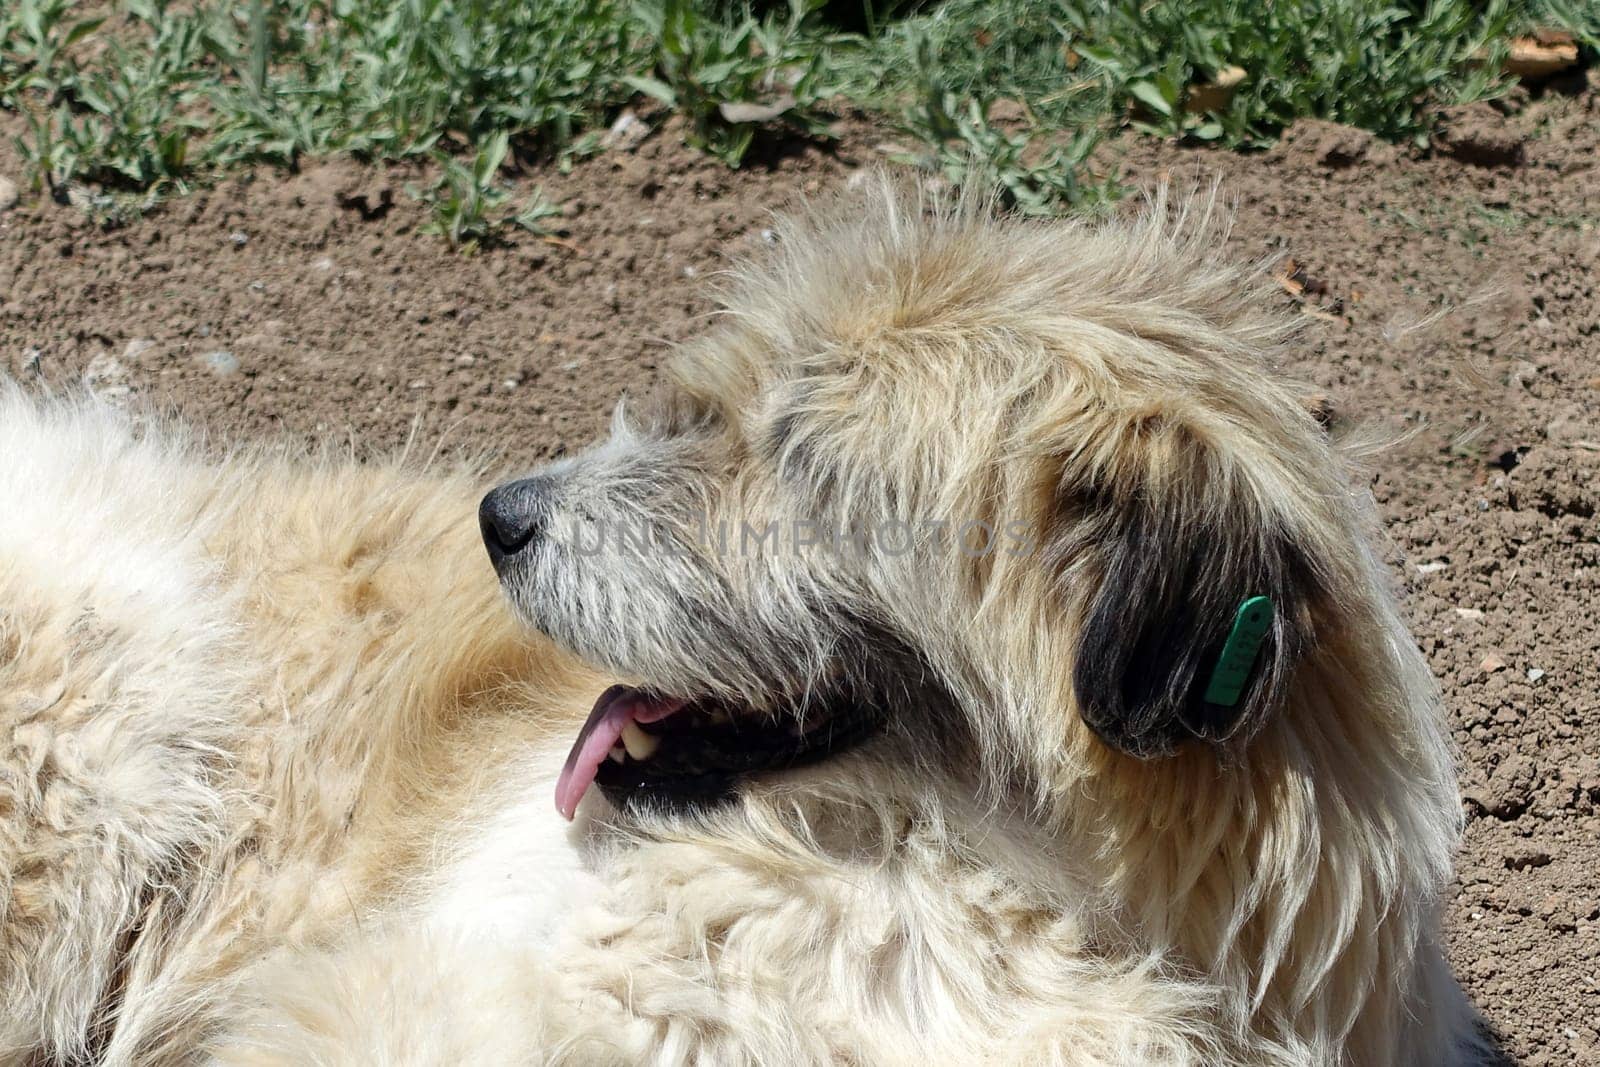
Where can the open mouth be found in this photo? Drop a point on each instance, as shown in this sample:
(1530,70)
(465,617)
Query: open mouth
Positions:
(636,743)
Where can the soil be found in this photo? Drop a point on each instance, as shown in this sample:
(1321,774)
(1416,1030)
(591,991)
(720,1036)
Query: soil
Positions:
(1452,301)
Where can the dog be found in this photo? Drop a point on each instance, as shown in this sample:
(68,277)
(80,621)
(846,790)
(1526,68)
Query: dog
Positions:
(977,654)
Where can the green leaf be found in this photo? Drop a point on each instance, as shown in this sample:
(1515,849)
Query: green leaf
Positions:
(652,87)
(490,156)
(81,30)
(1151,97)
(1103,56)
(712,73)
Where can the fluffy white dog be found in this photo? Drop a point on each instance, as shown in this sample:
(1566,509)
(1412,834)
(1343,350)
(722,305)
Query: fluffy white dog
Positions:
(988,663)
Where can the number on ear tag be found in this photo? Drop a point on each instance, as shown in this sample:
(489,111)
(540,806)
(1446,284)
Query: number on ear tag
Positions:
(1251,624)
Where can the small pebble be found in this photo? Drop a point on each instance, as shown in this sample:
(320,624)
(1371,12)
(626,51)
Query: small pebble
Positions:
(626,132)
(239,238)
(222,363)
(8,194)
(107,377)
(1534,674)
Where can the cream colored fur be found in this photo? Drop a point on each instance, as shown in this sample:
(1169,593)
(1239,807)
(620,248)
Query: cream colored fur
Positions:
(275,760)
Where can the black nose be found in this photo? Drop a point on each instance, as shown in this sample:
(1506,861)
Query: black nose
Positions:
(512,516)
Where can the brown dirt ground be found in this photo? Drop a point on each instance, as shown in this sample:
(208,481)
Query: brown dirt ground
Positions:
(1453,304)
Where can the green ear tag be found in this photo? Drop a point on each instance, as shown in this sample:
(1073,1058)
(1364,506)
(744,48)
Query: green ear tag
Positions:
(1250,626)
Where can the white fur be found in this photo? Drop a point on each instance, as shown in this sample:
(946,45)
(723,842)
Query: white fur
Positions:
(118,666)
(519,874)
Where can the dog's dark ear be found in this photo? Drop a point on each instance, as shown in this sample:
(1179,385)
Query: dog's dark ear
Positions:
(1201,611)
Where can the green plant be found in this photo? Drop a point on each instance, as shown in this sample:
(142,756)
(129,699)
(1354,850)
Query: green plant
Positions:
(467,199)
(1580,18)
(1034,176)
(116,123)
(956,71)
(126,101)
(390,80)
(1378,64)
(727,79)
(158,97)
(1368,63)
(33,36)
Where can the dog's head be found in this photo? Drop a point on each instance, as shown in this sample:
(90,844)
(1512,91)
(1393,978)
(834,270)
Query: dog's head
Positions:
(973,484)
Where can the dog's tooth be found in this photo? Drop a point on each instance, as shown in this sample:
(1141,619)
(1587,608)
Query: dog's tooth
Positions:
(639,744)
(617,753)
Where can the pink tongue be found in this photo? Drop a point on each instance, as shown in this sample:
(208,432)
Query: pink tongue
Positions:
(616,707)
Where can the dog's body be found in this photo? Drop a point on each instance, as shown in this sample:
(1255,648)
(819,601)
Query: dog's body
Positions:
(276,763)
